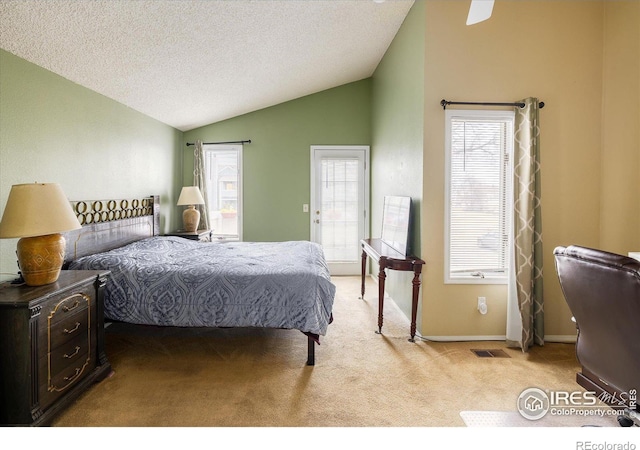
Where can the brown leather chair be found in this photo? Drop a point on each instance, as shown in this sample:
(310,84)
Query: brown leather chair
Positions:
(602,290)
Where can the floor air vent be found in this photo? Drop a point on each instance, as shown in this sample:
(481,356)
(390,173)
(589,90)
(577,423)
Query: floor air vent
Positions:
(494,353)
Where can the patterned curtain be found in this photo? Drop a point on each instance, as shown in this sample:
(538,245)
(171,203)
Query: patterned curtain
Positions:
(200,180)
(525,281)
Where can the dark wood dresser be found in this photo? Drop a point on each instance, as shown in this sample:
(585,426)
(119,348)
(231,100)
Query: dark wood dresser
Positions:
(51,345)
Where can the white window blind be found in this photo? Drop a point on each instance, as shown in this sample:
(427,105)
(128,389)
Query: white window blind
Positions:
(478,195)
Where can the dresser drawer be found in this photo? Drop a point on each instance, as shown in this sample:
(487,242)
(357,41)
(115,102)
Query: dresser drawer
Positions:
(67,327)
(65,324)
(62,306)
(78,324)
(73,353)
(64,317)
(64,366)
(54,385)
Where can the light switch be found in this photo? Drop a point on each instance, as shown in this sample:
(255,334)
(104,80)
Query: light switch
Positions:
(305,208)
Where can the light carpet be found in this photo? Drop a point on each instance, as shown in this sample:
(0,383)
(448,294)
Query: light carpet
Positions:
(175,377)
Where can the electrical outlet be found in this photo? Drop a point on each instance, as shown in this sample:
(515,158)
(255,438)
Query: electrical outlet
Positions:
(482,305)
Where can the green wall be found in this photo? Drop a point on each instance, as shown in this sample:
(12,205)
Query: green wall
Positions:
(277,162)
(398,137)
(53,130)
(385,111)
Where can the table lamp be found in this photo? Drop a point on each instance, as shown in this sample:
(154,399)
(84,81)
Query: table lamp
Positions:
(190,195)
(38,213)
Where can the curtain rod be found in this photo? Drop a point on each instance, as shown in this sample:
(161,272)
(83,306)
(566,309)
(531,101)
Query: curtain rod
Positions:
(445,103)
(228,142)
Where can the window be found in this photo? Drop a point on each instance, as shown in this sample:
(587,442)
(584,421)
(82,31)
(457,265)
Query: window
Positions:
(223,166)
(478,198)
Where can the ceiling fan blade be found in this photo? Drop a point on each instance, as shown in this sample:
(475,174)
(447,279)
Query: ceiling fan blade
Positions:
(479,11)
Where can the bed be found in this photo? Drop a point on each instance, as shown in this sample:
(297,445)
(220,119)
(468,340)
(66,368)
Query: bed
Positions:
(172,281)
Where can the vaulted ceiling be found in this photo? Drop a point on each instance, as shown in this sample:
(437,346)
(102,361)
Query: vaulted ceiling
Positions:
(188,63)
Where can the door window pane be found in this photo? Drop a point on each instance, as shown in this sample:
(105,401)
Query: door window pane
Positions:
(340,209)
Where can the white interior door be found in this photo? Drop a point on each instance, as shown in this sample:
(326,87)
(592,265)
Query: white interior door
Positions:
(339,203)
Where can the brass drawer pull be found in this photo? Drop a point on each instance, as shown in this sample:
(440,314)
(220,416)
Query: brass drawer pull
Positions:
(73,330)
(73,354)
(71,308)
(75,375)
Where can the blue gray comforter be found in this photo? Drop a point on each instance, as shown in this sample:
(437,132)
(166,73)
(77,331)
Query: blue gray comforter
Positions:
(179,282)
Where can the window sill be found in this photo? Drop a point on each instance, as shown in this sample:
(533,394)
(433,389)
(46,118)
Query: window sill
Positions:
(476,280)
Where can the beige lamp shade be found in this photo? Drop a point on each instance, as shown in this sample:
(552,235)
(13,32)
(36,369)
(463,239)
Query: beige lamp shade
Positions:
(35,210)
(38,213)
(190,195)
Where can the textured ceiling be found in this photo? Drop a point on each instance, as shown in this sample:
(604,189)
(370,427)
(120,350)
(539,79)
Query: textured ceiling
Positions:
(191,63)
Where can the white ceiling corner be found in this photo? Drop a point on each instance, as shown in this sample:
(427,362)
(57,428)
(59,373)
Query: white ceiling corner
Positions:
(189,63)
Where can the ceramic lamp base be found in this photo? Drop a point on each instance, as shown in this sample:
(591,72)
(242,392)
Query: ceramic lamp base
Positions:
(40,258)
(191,219)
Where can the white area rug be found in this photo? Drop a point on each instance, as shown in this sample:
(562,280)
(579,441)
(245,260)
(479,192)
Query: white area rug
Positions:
(514,419)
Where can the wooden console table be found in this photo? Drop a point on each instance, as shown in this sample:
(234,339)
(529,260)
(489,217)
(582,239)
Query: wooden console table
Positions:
(389,258)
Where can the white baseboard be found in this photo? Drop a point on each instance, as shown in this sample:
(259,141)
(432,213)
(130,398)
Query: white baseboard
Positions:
(561,338)
(557,338)
(462,338)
